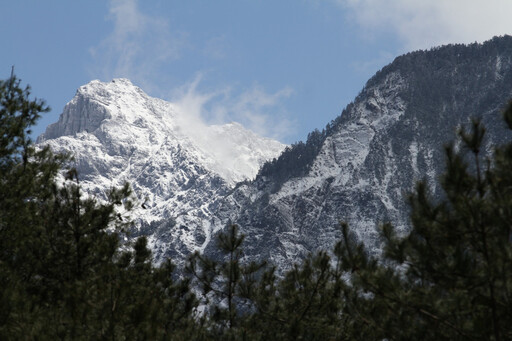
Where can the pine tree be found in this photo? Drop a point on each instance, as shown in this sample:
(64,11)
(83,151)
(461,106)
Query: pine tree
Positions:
(303,305)
(25,175)
(226,283)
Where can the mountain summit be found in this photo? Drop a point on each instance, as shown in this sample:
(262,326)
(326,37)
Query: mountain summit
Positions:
(175,164)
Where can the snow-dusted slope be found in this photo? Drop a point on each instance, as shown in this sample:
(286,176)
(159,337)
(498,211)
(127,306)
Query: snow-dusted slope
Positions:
(391,136)
(116,133)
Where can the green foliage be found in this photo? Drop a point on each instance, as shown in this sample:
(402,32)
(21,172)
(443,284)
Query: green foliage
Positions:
(249,303)
(304,305)
(226,284)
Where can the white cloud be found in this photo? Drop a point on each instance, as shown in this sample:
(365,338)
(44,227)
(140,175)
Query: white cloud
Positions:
(251,108)
(138,45)
(256,109)
(421,24)
(262,112)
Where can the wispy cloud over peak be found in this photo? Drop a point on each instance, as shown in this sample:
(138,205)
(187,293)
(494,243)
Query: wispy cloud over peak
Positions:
(255,108)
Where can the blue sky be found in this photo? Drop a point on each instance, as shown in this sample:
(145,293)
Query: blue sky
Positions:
(280,67)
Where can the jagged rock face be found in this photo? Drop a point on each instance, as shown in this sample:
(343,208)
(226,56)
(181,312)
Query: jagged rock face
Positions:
(390,137)
(116,134)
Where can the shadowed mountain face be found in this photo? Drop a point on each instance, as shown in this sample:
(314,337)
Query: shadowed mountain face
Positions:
(358,169)
(367,159)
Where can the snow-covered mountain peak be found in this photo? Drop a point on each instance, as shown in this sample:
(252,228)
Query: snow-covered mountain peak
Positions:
(119,85)
(176,164)
(126,101)
(122,117)
(97,102)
